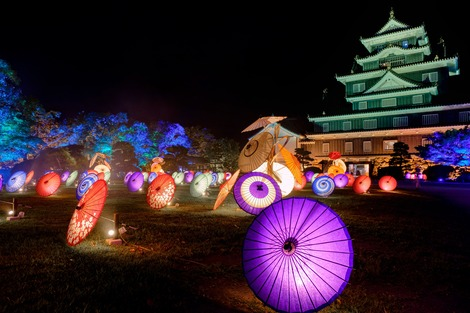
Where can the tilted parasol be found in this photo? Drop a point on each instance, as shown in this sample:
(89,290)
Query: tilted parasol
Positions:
(161,191)
(48,184)
(225,188)
(255,152)
(263,122)
(87,212)
(297,255)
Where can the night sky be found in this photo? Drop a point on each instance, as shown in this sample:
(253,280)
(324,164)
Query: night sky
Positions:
(212,66)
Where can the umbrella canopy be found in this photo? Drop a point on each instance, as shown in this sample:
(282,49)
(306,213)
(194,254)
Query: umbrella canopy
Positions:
(341,180)
(161,191)
(334,155)
(87,212)
(254,191)
(323,186)
(199,185)
(387,183)
(188,177)
(71,178)
(127,176)
(29,176)
(16,181)
(152,176)
(297,255)
(101,168)
(64,176)
(158,160)
(263,122)
(255,152)
(135,181)
(286,179)
(84,184)
(178,177)
(48,184)
(292,163)
(225,189)
(301,186)
(362,184)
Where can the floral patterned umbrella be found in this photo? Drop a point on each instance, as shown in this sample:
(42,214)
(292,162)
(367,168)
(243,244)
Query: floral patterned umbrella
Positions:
(161,191)
(297,255)
(87,212)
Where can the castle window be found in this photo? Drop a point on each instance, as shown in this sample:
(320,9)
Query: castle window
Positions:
(360,87)
(362,105)
(464,117)
(404,44)
(348,146)
(391,102)
(430,119)
(367,146)
(388,144)
(347,125)
(326,148)
(417,99)
(430,77)
(369,124)
(326,127)
(401,121)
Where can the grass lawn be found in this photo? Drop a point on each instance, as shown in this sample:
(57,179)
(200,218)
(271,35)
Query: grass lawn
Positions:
(411,254)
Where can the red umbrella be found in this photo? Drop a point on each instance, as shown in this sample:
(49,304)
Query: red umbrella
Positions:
(48,184)
(161,191)
(361,184)
(334,155)
(87,212)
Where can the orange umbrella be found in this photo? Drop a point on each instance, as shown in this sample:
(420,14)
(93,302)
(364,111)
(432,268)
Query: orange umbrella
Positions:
(292,163)
(225,189)
(29,176)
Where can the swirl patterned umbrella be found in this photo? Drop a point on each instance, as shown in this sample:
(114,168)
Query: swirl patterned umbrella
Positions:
(48,184)
(84,184)
(297,255)
(254,191)
(161,191)
(87,212)
(16,181)
(323,185)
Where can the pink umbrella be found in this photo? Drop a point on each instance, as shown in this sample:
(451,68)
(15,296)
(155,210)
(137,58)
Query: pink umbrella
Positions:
(48,184)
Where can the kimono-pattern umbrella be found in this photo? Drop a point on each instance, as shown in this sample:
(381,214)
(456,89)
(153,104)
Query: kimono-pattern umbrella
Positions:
(48,184)
(254,191)
(225,189)
(161,191)
(255,152)
(16,181)
(71,178)
(297,255)
(87,212)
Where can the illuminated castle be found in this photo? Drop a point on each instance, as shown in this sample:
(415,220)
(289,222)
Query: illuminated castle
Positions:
(392,91)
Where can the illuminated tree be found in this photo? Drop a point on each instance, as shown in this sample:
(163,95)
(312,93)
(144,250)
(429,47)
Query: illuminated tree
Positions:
(449,148)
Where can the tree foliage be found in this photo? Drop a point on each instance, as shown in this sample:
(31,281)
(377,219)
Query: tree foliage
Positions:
(451,147)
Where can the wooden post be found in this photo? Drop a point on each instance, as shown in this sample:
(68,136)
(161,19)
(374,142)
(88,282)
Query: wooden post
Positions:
(15,206)
(116,225)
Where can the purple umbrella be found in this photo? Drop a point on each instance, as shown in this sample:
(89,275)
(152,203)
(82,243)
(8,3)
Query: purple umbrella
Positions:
(297,255)
(255,191)
(341,180)
(135,181)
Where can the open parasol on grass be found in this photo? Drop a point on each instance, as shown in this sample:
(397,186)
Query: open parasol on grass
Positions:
(225,188)
(136,181)
(48,184)
(323,185)
(297,255)
(254,191)
(161,191)
(87,212)
(16,181)
(255,152)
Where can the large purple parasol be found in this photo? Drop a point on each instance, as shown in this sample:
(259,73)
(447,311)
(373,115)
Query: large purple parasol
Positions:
(297,255)
(255,191)
(135,182)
